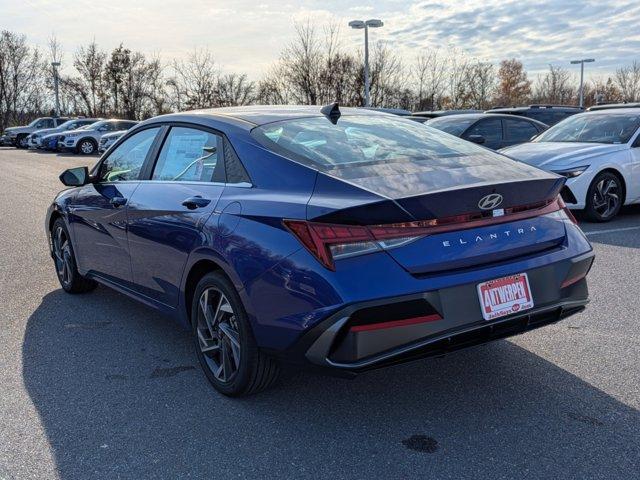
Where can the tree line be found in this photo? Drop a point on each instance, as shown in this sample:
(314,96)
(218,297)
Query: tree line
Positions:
(312,69)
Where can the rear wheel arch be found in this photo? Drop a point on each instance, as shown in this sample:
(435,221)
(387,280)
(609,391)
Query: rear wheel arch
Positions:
(196,272)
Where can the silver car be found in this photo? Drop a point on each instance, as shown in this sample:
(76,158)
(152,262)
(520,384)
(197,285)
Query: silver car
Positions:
(34,140)
(85,141)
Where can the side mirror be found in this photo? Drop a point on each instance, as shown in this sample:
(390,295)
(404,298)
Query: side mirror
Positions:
(479,139)
(75,177)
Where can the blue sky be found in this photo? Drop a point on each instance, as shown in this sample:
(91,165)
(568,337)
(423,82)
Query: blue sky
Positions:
(246,36)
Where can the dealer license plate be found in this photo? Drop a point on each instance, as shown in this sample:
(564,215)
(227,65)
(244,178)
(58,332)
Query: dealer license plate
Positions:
(504,296)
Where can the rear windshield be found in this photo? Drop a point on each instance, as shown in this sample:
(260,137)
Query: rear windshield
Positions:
(359,140)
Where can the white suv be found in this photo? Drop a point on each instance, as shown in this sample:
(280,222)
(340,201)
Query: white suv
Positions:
(85,141)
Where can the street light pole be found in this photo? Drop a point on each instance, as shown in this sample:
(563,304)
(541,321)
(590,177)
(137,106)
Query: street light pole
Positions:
(55,66)
(582,62)
(359,25)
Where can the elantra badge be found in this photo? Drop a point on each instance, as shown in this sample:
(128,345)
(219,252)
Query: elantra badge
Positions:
(490,202)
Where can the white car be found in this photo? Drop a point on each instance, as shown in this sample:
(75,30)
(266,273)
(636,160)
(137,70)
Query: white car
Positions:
(109,139)
(599,154)
(85,140)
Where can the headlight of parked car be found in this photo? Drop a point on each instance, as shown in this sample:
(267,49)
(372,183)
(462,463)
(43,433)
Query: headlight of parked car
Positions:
(573,172)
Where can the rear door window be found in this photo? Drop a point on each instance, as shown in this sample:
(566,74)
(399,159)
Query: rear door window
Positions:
(190,155)
(490,129)
(519,131)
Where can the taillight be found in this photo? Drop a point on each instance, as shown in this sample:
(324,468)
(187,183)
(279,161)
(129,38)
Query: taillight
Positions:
(329,242)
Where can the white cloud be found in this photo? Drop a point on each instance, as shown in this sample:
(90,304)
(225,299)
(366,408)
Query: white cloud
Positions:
(248,36)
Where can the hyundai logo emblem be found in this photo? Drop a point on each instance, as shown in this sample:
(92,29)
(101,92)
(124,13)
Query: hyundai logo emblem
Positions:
(490,202)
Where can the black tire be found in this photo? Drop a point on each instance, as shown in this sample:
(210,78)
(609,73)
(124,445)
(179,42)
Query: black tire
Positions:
(605,197)
(65,262)
(254,371)
(87,146)
(21,141)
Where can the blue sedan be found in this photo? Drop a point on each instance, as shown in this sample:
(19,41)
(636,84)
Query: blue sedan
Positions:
(334,238)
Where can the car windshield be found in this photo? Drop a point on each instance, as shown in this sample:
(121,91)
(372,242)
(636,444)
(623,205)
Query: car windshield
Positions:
(451,124)
(35,122)
(593,128)
(96,125)
(360,140)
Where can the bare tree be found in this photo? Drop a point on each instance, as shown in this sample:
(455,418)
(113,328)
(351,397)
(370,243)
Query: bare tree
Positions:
(22,92)
(628,82)
(557,86)
(196,79)
(429,75)
(233,89)
(481,84)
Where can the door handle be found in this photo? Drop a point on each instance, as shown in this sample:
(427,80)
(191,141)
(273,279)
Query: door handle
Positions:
(196,202)
(118,201)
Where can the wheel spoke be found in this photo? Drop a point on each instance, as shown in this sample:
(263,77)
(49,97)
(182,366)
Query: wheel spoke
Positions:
(234,341)
(217,337)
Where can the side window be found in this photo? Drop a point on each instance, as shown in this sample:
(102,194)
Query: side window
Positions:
(520,131)
(48,123)
(126,161)
(490,129)
(125,125)
(189,155)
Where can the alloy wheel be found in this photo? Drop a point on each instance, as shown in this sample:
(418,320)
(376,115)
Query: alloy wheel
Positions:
(606,197)
(62,256)
(218,336)
(86,147)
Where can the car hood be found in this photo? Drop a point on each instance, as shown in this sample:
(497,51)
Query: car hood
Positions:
(79,131)
(117,134)
(553,155)
(46,131)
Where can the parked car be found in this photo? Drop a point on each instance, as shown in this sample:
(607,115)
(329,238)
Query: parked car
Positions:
(51,142)
(34,140)
(489,130)
(109,139)
(547,114)
(17,136)
(340,239)
(422,117)
(85,141)
(598,153)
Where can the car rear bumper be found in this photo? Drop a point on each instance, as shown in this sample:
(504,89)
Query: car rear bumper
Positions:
(335,344)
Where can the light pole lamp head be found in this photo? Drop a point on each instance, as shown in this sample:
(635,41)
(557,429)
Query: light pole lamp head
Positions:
(55,64)
(374,23)
(357,24)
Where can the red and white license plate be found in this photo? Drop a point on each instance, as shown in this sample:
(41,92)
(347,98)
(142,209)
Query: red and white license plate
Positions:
(504,296)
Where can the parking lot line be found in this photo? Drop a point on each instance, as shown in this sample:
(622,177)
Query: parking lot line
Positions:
(611,230)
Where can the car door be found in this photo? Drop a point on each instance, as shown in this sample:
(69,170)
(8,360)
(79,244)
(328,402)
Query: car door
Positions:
(99,210)
(168,210)
(490,129)
(518,130)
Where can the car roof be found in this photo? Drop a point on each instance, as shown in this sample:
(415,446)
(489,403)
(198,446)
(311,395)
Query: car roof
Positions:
(614,106)
(478,116)
(614,111)
(251,116)
(536,108)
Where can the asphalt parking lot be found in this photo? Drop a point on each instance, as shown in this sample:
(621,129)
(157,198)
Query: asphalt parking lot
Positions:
(97,386)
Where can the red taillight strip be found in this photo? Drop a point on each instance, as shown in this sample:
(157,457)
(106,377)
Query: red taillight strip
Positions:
(395,323)
(318,237)
(466,221)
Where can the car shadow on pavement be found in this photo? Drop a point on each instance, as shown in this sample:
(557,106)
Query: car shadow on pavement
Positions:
(120,395)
